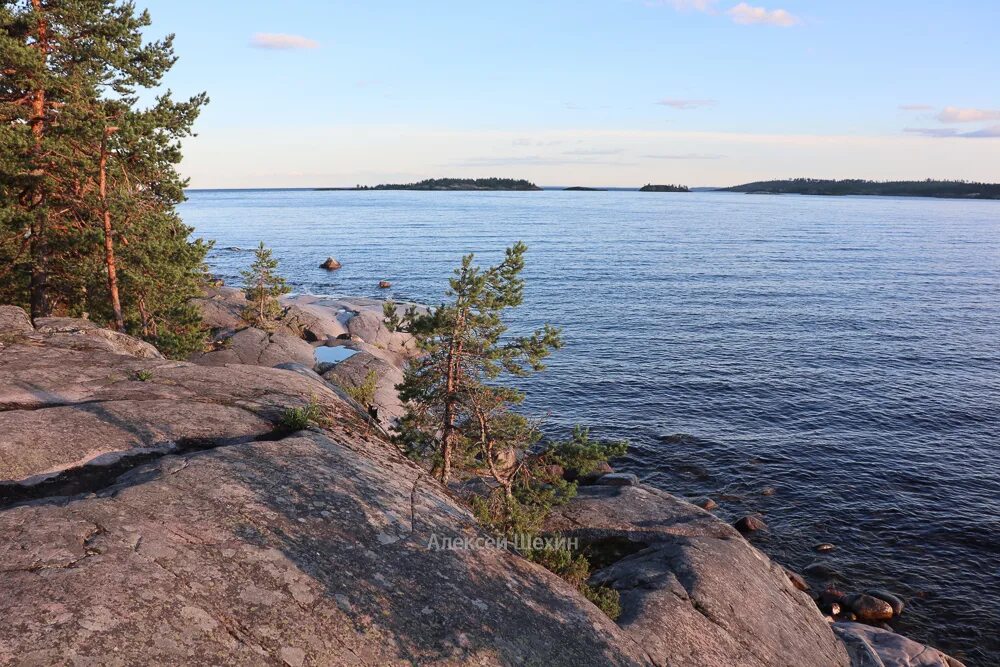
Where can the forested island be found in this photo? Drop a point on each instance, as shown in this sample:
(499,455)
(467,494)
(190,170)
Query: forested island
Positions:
(927,188)
(498,184)
(664,188)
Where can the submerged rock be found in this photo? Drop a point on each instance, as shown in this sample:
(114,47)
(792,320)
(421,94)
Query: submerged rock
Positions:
(750,524)
(384,284)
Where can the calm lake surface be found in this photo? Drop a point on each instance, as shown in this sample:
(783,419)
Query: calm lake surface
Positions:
(844,351)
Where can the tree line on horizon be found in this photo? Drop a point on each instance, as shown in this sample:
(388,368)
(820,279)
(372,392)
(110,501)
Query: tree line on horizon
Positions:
(925,188)
(88,176)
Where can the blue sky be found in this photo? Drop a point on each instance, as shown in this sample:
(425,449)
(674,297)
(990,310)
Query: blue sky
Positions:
(592,92)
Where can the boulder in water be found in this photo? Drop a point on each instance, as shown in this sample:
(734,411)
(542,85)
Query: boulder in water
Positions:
(330,264)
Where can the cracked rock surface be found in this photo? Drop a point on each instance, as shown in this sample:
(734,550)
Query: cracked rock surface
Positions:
(255,548)
(693,591)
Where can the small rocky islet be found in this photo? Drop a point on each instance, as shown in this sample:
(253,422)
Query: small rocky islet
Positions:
(158,511)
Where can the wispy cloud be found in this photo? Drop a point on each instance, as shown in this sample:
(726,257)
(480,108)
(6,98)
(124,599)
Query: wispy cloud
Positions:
(946,132)
(747,15)
(685,156)
(685,5)
(985,133)
(595,151)
(675,103)
(532,160)
(956,115)
(269,40)
(915,107)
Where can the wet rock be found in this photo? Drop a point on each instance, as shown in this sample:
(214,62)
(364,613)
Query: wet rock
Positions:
(618,479)
(874,647)
(750,524)
(330,264)
(768,491)
(821,571)
(384,284)
(894,601)
(706,503)
(824,547)
(829,596)
(868,608)
(797,580)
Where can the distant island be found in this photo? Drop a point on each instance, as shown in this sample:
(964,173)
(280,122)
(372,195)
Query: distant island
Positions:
(664,188)
(582,188)
(508,184)
(928,188)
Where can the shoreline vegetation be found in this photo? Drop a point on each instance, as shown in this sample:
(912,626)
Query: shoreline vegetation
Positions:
(796,186)
(926,188)
(453,184)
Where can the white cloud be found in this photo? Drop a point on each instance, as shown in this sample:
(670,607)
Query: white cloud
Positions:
(915,107)
(269,40)
(747,15)
(956,115)
(683,104)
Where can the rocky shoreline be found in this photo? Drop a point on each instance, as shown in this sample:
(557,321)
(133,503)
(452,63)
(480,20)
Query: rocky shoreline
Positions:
(158,511)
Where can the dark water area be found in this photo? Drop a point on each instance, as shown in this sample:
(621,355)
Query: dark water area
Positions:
(844,351)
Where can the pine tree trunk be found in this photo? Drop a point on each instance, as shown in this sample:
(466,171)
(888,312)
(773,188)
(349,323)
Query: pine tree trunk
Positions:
(39,282)
(109,245)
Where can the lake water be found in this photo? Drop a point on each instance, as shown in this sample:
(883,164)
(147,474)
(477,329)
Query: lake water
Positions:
(844,351)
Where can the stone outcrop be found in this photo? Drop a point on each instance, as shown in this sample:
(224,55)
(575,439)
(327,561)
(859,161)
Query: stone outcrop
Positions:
(243,544)
(726,602)
(256,347)
(875,647)
(354,371)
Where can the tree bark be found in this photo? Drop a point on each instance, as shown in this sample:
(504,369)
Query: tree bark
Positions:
(109,244)
(39,281)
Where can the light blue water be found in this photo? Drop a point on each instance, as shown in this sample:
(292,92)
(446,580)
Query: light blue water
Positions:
(845,351)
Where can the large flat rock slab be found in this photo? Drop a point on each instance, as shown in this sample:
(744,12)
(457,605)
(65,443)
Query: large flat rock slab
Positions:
(306,550)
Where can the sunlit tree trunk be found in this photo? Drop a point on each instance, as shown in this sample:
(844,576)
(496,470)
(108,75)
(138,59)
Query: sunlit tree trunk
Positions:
(109,244)
(40,305)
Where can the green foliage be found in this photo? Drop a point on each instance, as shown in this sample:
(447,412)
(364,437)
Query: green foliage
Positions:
(926,188)
(263,287)
(457,411)
(59,97)
(144,375)
(364,393)
(604,598)
(297,419)
(664,188)
(461,184)
(582,454)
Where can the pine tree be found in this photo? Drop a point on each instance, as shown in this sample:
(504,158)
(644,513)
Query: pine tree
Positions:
(454,414)
(263,287)
(73,71)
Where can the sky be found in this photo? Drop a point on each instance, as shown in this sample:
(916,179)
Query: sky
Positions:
(590,92)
